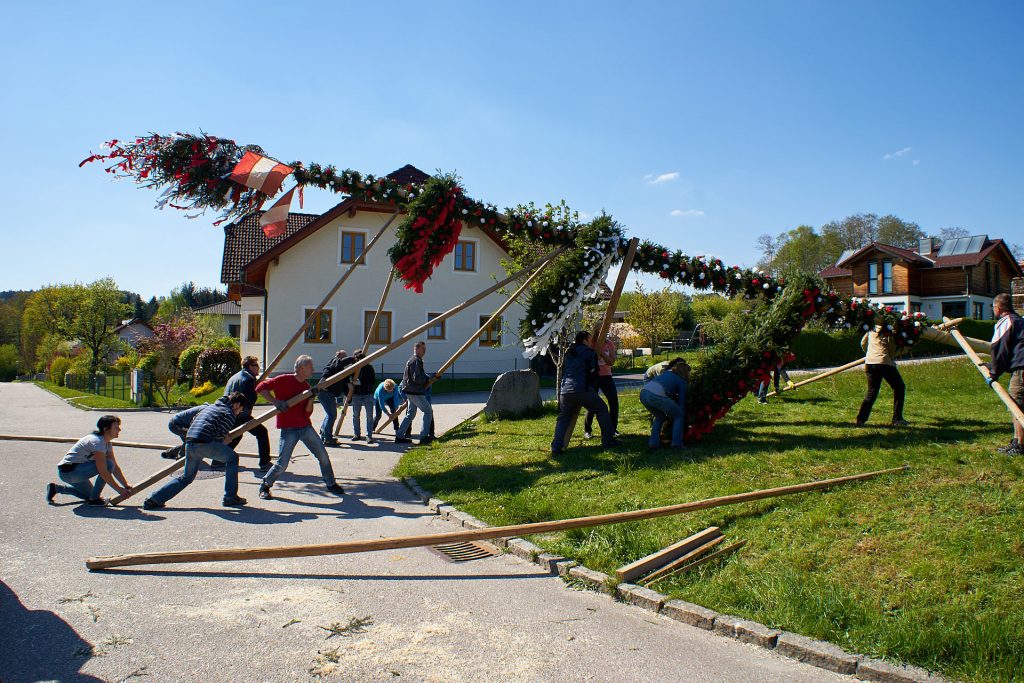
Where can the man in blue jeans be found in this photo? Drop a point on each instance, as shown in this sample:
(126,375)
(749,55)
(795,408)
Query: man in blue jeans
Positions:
(414,386)
(665,397)
(207,438)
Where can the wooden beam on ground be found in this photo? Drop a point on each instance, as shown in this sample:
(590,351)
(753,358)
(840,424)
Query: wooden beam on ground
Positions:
(704,560)
(346,547)
(671,567)
(316,311)
(119,444)
(645,564)
(606,323)
(827,373)
(1003,395)
(355,367)
(366,347)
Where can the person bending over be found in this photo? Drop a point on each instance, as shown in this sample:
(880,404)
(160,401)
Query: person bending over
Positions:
(90,465)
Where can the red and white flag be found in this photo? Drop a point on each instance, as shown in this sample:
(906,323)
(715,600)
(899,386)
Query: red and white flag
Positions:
(274,220)
(260,173)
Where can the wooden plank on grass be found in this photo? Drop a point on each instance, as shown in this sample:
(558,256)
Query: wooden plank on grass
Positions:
(676,564)
(666,555)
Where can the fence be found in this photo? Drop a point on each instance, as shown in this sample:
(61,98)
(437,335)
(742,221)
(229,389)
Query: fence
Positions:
(114,386)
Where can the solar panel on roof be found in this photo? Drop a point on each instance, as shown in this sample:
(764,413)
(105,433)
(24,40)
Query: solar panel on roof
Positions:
(977,244)
(961,246)
(947,248)
(845,255)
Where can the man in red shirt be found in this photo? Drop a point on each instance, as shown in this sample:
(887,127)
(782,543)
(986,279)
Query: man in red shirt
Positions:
(295,425)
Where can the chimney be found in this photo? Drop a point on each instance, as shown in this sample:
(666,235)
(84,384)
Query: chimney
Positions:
(926,245)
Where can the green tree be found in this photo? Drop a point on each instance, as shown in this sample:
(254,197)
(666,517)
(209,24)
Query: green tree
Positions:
(898,232)
(98,310)
(9,362)
(653,314)
(804,250)
(47,313)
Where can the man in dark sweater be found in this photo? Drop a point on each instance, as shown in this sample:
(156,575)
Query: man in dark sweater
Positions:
(178,426)
(207,438)
(244,381)
(1008,355)
(579,377)
(414,386)
(362,398)
(329,395)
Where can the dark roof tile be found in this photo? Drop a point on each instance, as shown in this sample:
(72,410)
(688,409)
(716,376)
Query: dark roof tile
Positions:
(245,241)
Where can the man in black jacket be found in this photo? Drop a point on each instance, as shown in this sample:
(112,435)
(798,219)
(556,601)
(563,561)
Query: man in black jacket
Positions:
(579,377)
(244,381)
(414,386)
(362,398)
(1008,355)
(329,395)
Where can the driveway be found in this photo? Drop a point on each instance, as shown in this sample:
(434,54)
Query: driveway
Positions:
(393,615)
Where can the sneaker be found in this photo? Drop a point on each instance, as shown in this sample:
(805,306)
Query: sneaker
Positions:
(265,492)
(588,435)
(557,451)
(1015,450)
(402,439)
(426,440)
(611,443)
(900,423)
(357,437)
(51,491)
(370,440)
(150,504)
(858,423)
(234,502)
(1002,449)
(216,465)
(171,453)
(762,401)
(265,467)
(332,443)
(99,502)
(336,489)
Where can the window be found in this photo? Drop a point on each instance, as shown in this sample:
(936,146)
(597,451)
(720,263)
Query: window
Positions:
(352,245)
(979,311)
(915,308)
(954,309)
(318,331)
(436,331)
(465,255)
(887,277)
(253,327)
(900,306)
(492,335)
(381,334)
(233,330)
(872,277)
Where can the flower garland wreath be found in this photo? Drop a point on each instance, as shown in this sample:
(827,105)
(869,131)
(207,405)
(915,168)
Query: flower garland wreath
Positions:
(195,173)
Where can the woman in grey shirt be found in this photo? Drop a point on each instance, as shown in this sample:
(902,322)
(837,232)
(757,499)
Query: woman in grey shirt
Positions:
(92,456)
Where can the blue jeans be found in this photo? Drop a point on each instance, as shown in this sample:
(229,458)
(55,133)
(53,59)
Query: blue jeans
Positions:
(361,403)
(289,438)
(663,408)
(330,403)
(194,454)
(378,413)
(77,481)
(417,402)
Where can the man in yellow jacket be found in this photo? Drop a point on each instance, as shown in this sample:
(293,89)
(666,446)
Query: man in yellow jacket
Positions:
(879,365)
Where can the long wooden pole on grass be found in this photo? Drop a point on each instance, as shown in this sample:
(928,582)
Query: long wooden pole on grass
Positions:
(350,370)
(316,311)
(119,444)
(474,337)
(366,346)
(345,547)
(827,373)
(606,323)
(1003,395)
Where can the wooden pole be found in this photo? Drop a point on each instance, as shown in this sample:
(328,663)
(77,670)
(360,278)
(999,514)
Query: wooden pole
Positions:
(346,547)
(606,323)
(119,444)
(1003,395)
(681,548)
(704,560)
(316,311)
(827,373)
(354,368)
(476,335)
(942,336)
(366,347)
(676,564)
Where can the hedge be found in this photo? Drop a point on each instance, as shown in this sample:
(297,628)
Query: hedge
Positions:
(217,366)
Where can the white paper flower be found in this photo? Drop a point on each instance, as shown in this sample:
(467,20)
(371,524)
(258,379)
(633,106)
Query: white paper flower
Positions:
(465,211)
(766,286)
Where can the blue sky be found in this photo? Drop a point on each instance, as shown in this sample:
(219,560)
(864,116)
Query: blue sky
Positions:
(697,125)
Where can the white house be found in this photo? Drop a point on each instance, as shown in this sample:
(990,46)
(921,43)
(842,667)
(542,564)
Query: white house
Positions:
(279,281)
(229,314)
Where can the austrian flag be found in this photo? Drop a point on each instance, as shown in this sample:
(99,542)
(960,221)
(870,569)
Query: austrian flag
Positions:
(274,221)
(260,173)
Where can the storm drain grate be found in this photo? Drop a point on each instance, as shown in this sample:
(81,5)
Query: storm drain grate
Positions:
(465,551)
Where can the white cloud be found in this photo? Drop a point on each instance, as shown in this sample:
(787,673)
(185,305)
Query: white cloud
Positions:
(897,154)
(689,213)
(661,179)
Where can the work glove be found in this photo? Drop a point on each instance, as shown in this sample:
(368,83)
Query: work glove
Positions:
(990,381)
(281,405)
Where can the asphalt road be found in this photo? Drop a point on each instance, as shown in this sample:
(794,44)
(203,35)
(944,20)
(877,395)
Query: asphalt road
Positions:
(411,615)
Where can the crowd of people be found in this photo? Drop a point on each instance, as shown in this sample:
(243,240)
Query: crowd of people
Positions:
(206,431)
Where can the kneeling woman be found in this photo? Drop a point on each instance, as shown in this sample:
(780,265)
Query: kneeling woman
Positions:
(92,456)
(665,397)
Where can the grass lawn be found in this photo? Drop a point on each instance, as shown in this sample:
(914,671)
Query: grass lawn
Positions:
(925,567)
(83,399)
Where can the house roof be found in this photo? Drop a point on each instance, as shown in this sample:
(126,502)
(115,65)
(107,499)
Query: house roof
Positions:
(836,271)
(952,261)
(134,321)
(245,241)
(227,307)
(898,252)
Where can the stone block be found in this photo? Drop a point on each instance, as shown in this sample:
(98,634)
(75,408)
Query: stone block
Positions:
(563,567)
(434,503)
(514,393)
(756,634)
(594,580)
(725,625)
(816,653)
(641,597)
(883,672)
(549,562)
(445,511)
(471,522)
(524,549)
(691,614)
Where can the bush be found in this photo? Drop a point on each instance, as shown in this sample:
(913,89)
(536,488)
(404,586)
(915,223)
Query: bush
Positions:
(204,388)
(225,343)
(148,362)
(8,362)
(58,367)
(216,365)
(187,360)
(124,364)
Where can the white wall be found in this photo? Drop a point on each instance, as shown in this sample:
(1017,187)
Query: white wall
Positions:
(305,273)
(251,304)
